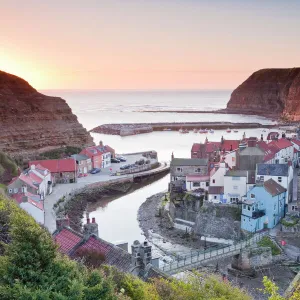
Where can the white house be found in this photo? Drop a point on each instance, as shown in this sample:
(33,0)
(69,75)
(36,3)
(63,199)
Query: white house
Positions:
(106,158)
(217,174)
(36,180)
(230,159)
(285,151)
(215,194)
(280,173)
(194,182)
(296,145)
(235,186)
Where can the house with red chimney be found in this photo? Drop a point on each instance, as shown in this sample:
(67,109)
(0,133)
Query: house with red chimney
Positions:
(100,155)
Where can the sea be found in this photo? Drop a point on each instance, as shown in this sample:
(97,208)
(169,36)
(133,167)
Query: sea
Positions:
(118,219)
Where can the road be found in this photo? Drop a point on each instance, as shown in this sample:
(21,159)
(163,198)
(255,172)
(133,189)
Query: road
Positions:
(61,190)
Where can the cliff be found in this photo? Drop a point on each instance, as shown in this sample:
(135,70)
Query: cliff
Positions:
(269,92)
(31,122)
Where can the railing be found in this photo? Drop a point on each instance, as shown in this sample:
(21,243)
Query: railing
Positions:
(198,257)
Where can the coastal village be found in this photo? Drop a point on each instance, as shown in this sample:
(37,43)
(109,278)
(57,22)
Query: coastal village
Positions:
(252,178)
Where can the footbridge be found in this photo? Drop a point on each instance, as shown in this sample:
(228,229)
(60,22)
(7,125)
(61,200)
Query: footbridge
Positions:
(199,258)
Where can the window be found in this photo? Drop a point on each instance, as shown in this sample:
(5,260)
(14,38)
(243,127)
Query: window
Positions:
(233,159)
(253,208)
(179,169)
(214,181)
(244,207)
(236,178)
(10,191)
(294,207)
(198,170)
(279,179)
(235,187)
(261,178)
(215,197)
(248,207)
(15,190)
(274,206)
(207,183)
(234,199)
(195,184)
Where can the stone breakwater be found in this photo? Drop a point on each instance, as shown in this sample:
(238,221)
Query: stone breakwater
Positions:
(139,128)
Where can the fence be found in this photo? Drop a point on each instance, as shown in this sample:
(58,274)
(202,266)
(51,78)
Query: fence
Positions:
(197,257)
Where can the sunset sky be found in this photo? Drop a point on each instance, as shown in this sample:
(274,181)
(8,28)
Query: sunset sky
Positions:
(146,44)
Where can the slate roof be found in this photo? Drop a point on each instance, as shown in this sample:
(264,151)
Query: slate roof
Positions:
(177,162)
(251,151)
(236,173)
(273,169)
(273,188)
(80,157)
(114,255)
(216,190)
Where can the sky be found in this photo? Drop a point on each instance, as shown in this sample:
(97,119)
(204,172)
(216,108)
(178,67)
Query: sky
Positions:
(146,44)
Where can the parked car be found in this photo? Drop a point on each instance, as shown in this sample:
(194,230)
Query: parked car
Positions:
(124,167)
(115,160)
(95,171)
(121,158)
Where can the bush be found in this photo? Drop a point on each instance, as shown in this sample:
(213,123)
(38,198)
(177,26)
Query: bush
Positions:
(266,242)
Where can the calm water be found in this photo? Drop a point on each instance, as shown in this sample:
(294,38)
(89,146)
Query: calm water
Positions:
(118,219)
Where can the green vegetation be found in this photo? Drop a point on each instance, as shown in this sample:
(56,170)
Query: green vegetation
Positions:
(165,199)
(31,268)
(8,168)
(60,152)
(290,224)
(266,242)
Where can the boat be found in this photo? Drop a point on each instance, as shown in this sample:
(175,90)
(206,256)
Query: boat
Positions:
(235,131)
(202,131)
(167,129)
(228,130)
(211,131)
(183,130)
(195,130)
(264,130)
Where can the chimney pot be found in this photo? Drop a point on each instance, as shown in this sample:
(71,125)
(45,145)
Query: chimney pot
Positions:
(88,221)
(93,220)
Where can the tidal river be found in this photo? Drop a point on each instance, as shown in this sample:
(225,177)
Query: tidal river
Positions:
(117,218)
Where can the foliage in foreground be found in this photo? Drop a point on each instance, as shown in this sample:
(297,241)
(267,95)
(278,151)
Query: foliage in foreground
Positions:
(31,268)
(62,152)
(8,168)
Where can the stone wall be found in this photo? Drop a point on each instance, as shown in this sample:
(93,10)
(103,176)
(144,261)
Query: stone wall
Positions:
(221,221)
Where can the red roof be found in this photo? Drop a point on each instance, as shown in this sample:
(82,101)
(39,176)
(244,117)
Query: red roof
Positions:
(28,180)
(262,145)
(281,143)
(56,165)
(96,245)
(212,146)
(195,147)
(297,142)
(31,198)
(67,239)
(229,145)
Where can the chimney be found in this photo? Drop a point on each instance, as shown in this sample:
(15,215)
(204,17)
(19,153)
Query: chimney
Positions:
(262,137)
(206,140)
(101,144)
(90,228)
(222,139)
(244,135)
(62,222)
(24,199)
(283,135)
(252,142)
(172,156)
(230,147)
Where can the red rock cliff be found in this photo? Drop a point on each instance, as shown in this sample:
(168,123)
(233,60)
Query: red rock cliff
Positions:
(31,121)
(267,92)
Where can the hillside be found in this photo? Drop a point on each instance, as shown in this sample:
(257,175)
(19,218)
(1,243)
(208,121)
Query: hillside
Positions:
(271,92)
(32,268)
(31,121)
(8,168)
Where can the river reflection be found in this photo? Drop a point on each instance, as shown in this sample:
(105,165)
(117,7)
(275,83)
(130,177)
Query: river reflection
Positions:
(117,218)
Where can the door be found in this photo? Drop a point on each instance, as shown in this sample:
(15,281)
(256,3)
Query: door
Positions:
(84,170)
